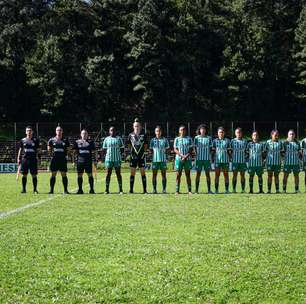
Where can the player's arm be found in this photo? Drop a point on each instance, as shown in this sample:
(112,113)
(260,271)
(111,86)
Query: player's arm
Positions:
(19,156)
(191,147)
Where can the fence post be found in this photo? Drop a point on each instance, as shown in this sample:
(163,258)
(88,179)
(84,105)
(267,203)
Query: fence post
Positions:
(124,129)
(15,141)
(275,125)
(145,127)
(37,133)
(167,129)
(211,128)
(254,125)
(80,126)
(188,128)
(232,129)
(297,130)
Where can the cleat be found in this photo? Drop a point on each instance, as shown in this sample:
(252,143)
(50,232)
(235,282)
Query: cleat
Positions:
(121,193)
(91,191)
(131,192)
(154,191)
(297,191)
(51,192)
(80,192)
(23,191)
(234,191)
(35,192)
(189,193)
(145,192)
(251,192)
(210,192)
(261,192)
(227,192)
(177,193)
(164,192)
(106,192)
(66,192)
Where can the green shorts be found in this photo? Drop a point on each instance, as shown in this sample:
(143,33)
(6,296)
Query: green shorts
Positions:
(274,168)
(202,164)
(112,164)
(159,166)
(222,166)
(239,167)
(256,170)
(291,168)
(180,165)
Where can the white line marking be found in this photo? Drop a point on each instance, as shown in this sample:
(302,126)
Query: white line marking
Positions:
(31,205)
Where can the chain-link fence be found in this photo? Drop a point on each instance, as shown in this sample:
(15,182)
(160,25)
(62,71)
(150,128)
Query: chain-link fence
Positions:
(11,133)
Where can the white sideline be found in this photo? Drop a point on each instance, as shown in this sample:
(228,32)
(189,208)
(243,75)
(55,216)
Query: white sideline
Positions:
(31,205)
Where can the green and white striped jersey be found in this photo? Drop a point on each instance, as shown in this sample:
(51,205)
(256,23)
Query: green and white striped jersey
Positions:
(183,144)
(255,151)
(239,147)
(112,145)
(221,147)
(159,147)
(292,153)
(274,150)
(303,145)
(203,145)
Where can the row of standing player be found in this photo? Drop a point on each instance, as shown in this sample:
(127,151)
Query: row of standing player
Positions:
(220,150)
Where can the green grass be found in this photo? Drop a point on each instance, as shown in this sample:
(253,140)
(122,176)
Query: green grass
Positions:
(151,249)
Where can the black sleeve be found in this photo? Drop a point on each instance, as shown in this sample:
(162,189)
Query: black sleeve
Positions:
(75,146)
(21,144)
(93,146)
(50,143)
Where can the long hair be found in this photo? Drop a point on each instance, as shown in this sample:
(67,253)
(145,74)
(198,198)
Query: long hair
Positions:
(201,126)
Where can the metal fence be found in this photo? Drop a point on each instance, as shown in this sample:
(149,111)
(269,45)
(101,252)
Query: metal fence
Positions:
(11,133)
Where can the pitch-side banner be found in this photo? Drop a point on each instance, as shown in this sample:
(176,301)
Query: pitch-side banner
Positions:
(8,168)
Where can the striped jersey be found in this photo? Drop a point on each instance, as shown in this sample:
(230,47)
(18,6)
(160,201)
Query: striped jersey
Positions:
(183,144)
(292,153)
(238,147)
(203,145)
(303,146)
(113,145)
(159,147)
(255,151)
(221,147)
(274,150)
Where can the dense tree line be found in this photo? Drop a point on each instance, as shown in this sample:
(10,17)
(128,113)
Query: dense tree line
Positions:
(157,59)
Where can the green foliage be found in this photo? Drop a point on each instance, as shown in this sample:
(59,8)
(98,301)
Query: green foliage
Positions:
(173,59)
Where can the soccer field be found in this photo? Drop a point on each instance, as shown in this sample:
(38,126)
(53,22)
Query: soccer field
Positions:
(150,248)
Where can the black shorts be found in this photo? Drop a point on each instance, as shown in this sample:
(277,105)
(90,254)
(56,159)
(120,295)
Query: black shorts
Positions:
(137,162)
(58,164)
(84,166)
(29,164)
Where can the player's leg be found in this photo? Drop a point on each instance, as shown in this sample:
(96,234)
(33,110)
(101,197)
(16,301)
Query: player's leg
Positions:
(217,178)
(52,181)
(234,180)
(226,180)
(34,172)
(80,172)
(164,179)
(109,171)
(208,180)
(143,178)
(197,181)
(24,170)
(270,178)
(154,180)
(285,179)
(276,181)
(178,180)
(119,178)
(260,180)
(251,181)
(132,176)
(188,179)
(296,181)
(242,178)
(65,181)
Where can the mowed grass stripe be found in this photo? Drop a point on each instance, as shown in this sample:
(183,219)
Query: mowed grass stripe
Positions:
(156,249)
